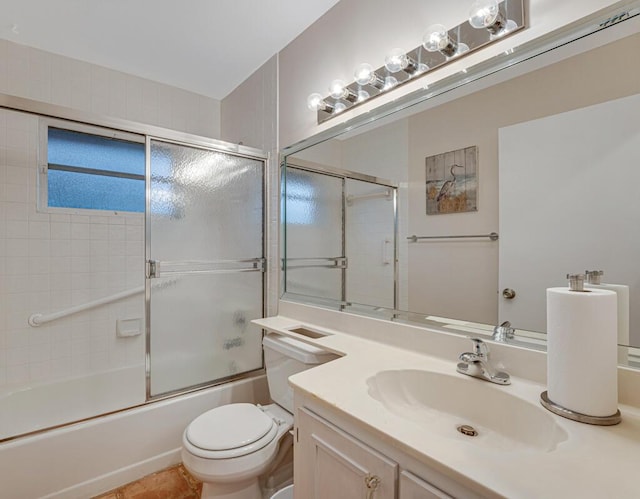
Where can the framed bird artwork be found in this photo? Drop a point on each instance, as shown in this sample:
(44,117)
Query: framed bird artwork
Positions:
(452,181)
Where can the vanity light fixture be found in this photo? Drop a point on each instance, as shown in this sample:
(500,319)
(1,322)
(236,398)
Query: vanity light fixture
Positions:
(485,14)
(437,39)
(488,21)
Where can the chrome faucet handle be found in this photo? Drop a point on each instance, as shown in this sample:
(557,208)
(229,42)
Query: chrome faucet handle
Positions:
(503,332)
(480,348)
(479,353)
(477,364)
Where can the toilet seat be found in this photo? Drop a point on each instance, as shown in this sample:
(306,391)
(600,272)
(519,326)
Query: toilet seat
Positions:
(230,431)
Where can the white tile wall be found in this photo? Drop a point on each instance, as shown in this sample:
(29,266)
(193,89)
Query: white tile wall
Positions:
(51,261)
(54,79)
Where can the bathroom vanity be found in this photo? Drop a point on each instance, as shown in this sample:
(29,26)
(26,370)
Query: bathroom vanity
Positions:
(381,421)
(331,462)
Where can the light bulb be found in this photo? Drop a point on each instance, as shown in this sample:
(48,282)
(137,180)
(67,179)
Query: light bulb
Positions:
(396,60)
(363,95)
(485,14)
(339,90)
(315,102)
(366,75)
(437,39)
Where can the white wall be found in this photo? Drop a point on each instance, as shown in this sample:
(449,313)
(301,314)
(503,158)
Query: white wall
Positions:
(454,278)
(45,77)
(248,115)
(354,31)
(578,169)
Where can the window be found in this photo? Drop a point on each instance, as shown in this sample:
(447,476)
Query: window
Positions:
(94,169)
(300,197)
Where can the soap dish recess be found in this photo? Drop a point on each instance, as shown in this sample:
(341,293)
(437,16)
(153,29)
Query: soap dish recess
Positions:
(308,332)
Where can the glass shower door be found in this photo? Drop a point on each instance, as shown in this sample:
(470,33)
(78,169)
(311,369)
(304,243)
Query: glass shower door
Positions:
(205,266)
(370,241)
(314,239)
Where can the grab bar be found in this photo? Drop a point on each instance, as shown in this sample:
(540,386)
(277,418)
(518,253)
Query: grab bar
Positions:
(493,236)
(36,320)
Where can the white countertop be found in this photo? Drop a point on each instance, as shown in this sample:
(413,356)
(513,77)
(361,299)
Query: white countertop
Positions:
(593,462)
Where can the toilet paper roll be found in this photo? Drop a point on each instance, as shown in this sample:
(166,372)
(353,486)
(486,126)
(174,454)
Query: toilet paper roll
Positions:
(582,330)
(623,308)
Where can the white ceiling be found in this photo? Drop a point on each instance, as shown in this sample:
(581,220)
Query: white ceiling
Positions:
(205,46)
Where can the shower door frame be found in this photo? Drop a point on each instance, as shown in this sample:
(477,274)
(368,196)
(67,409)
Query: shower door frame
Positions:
(53,111)
(263,158)
(343,270)
(345,175)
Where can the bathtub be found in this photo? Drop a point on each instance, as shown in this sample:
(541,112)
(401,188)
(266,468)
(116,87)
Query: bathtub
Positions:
(46,405)
(87,458)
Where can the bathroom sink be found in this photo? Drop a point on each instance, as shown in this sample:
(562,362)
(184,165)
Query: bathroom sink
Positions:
(443,403)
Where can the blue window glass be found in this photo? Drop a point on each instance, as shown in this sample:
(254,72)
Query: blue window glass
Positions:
(300,198)
(94,172)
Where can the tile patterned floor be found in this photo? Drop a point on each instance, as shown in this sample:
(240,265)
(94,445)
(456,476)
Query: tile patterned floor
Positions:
(172,483)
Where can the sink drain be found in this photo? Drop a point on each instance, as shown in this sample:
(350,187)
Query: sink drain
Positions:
(467,430)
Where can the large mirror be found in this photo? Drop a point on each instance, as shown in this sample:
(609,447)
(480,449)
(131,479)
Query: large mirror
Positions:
(463,211)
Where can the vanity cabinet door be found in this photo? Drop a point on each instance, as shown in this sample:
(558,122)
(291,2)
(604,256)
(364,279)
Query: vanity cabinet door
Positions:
(331,464)
(412,487)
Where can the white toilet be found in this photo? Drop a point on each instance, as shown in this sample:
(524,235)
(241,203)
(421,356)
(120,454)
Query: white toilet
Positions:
(231,447)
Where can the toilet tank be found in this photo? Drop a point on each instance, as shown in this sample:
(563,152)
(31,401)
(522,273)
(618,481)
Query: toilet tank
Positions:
(285,356)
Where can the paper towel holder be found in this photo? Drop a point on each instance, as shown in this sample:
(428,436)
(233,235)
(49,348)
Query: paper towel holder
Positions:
(577,416)
(594,276)
(576,282)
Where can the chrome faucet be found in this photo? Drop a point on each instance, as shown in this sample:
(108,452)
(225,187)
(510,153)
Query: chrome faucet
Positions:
(503,332)
(477,364)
